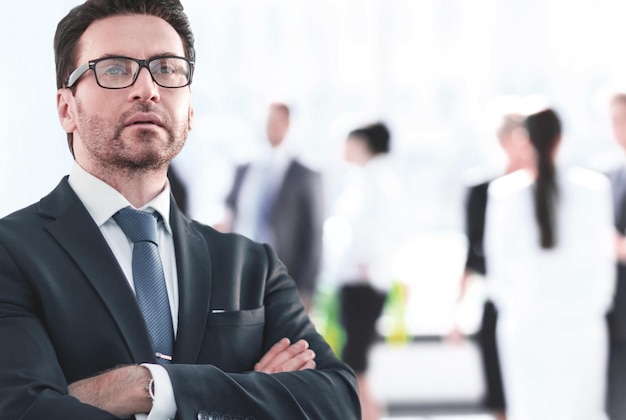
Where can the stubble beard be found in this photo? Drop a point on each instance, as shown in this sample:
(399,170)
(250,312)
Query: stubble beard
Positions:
(122,151)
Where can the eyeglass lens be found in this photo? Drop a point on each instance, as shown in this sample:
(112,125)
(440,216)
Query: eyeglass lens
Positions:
(122,72)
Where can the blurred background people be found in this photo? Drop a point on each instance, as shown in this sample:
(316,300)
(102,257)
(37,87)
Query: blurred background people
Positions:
(549,242)
(366,206)
(616,403)
(355,58)
(512,138)
(278,200)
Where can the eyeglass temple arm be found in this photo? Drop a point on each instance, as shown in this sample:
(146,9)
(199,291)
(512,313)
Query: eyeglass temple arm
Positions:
(75,75)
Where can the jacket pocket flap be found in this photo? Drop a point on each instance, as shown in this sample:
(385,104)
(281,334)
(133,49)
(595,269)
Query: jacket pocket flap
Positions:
(245,317)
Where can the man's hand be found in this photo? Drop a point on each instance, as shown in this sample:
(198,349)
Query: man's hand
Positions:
(122,391)
(283,357)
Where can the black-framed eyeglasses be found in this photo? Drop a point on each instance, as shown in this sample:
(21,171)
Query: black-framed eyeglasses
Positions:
(119,72)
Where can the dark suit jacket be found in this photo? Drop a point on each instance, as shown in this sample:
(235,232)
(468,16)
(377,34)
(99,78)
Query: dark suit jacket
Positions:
(617,315)
(67,312)
(297,219)
(475,211)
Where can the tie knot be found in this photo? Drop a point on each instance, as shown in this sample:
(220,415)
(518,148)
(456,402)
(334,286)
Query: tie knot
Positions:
(137,225)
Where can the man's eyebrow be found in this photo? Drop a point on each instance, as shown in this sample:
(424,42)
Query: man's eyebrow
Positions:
(167,54)
(110,55)
(161,54)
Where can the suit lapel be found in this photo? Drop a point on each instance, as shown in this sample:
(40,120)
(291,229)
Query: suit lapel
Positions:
(194,284)
(75,230)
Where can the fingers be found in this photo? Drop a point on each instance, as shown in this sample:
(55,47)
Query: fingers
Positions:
(286,354)
(308,365)
(273,352)
(305,361)
(297,361)
(283,357)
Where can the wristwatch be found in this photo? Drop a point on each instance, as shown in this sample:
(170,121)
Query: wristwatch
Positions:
(150,389)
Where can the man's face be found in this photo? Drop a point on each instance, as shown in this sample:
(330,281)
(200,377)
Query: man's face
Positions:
(277,126)
(140,127)
(618,119)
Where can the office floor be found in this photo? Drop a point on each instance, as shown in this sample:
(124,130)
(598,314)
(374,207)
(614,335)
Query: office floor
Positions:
(428,380)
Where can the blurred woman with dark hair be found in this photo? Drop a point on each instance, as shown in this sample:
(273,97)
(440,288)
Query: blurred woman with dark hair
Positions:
(367,209)
(548,234)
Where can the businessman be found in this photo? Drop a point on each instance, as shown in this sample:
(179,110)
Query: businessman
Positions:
(278,200)
(113,304)
(616,404)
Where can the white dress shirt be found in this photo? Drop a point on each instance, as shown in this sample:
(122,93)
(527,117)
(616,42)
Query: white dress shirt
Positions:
(264,177)
(369,210)
(102,201)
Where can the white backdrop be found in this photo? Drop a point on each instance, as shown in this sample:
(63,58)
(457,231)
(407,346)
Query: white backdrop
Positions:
(428,67)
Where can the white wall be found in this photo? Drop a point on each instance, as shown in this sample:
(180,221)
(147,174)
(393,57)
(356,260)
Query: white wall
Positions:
(427,67)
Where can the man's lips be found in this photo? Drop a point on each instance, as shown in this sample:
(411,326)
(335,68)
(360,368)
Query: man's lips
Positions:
(144,119)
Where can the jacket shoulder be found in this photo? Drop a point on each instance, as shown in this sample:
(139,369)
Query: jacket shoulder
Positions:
(50,206)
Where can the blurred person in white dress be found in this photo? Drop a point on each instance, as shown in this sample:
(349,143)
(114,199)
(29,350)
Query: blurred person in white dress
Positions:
(551,265)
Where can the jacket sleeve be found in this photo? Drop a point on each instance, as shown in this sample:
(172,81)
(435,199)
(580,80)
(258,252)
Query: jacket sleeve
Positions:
(232,197)
(33,385)
(327,392)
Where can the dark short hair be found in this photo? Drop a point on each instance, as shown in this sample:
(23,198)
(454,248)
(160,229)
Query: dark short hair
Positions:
(376,137)
(71,27)
(75,23)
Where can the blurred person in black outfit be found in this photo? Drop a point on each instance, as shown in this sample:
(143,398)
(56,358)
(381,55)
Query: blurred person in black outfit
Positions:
(512,138)
(616,403)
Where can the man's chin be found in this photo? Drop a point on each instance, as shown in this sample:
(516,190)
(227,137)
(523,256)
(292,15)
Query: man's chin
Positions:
(142,158)
(149,159)
(145,133)
(141,165)
(149,149)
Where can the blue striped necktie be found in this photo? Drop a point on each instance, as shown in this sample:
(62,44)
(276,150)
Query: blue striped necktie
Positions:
(141,228)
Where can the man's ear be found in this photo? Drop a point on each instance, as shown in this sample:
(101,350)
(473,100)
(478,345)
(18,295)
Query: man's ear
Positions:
(190,118)
(65,109)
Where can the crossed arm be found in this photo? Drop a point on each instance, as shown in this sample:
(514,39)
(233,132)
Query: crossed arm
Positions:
(46,304)
(123,391)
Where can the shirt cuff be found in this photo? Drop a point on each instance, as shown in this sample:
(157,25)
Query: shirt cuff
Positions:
(164,405)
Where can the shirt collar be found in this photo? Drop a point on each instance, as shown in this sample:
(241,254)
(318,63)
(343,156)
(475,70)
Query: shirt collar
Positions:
(102,201)
(276,158)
